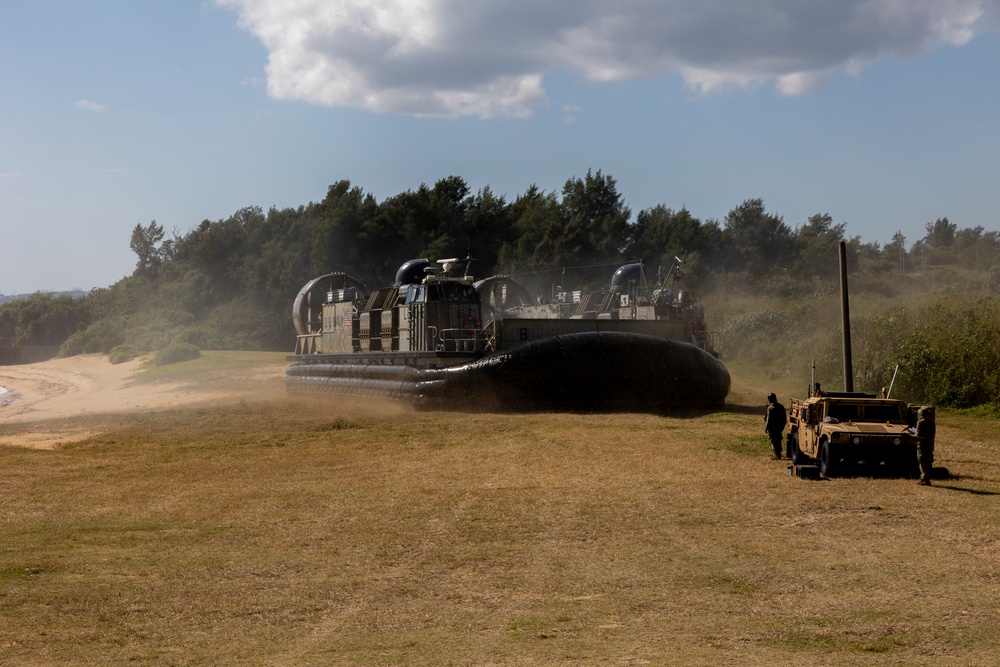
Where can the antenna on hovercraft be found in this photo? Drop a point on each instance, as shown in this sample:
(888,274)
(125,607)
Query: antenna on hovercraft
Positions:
(447,265)
(468,265)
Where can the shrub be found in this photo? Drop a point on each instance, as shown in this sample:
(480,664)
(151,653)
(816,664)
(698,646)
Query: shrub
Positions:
(205,337)
(953,356)
(122,353)
(101,336)
(176,352)
(76,344)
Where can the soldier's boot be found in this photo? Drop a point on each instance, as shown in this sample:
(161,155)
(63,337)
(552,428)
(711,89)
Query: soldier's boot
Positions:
(925,471)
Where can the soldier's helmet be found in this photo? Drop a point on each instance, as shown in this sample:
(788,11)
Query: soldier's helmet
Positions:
(771,398)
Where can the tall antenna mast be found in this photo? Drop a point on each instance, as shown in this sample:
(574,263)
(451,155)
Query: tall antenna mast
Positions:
(846,313)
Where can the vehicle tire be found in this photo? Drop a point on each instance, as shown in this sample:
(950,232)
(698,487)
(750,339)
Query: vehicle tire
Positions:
(794,453)
(828,461)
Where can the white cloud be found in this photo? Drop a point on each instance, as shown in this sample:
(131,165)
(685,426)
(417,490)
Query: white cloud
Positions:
(800,83)
(488,58)
(87,105)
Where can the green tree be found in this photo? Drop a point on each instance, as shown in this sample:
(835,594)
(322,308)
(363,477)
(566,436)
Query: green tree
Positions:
(336,230)
(445,232)
(817,242)
(145,244)
(590,232)
(594,206)
(660,234)
(488,226)
(42,320)
(940,233)
(530,216)
(756,241)
(895,251)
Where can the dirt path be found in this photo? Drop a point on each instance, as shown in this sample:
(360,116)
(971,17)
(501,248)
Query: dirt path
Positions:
(41,400)
(91,385)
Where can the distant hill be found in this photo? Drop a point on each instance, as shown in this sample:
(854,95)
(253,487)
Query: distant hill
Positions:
(75,293)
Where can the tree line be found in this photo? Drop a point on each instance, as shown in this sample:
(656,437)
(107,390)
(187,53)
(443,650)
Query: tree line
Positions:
(229,283)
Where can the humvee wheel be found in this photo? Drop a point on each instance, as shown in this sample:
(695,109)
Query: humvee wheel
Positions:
(908,464)
(794,453)
(827,459)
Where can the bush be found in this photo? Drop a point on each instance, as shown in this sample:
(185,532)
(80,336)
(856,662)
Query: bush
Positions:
(122,353)
(42,320)
(78,343)
(176,352)
(101,336)
(155,330)
(953,356)
(204,337)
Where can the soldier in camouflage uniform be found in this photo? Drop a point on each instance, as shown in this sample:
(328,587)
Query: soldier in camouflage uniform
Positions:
(774,423)
(926,430)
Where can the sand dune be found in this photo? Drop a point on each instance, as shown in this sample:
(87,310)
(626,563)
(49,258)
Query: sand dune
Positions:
(90,385)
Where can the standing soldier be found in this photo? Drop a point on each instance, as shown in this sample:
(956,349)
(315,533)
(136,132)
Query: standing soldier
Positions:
(925,443)
(774,423)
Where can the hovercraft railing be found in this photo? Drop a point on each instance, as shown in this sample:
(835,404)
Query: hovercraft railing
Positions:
(307,343)
(460,340)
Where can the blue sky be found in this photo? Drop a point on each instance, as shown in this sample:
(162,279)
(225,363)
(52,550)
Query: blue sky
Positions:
(117,112)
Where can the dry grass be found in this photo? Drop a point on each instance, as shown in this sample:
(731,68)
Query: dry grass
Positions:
(323,533)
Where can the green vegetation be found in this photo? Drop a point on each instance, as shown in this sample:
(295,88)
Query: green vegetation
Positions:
(176,352)
(931,345)
(770,289)
(209,367)
(42,320)
(122,353)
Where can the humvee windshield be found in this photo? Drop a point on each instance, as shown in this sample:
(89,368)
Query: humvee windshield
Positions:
(883,413)
(844,412)
(879,412)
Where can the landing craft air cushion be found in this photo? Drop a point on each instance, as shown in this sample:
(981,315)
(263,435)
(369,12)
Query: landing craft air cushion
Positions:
(443,341)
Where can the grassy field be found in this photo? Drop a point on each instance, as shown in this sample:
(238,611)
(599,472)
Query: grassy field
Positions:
(289,532)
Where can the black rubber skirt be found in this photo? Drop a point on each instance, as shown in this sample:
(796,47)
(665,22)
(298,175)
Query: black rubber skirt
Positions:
(587,372)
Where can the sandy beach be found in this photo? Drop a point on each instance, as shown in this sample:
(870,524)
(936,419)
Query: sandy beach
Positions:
(35,394)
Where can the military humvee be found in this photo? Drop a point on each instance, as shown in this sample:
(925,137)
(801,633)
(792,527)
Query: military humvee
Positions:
(838,430)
